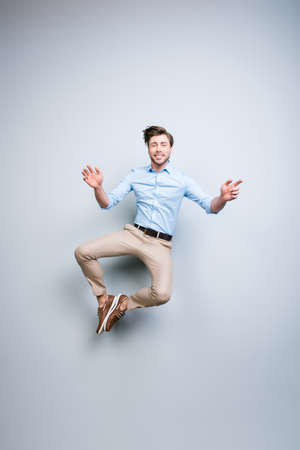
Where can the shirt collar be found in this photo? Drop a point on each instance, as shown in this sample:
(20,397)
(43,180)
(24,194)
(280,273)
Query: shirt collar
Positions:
(168,168)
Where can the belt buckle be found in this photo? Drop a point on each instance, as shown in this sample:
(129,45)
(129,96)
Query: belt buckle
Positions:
(149,229)
(153,235)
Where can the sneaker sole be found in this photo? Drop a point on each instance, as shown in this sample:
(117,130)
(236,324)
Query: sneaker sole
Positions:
(112,307)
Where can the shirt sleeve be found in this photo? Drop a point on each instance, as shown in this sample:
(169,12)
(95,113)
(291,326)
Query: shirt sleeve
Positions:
(120,191)
(194,192)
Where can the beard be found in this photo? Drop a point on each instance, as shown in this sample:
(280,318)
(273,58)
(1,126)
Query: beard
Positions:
(160,161)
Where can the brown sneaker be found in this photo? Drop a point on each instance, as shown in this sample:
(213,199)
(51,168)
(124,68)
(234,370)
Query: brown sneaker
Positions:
(116,313)
(102,312)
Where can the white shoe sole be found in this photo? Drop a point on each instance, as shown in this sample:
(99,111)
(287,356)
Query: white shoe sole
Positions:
(111,309)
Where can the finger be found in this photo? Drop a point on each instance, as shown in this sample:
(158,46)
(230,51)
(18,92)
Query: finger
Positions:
(91,170)
(97,170)
(86,172)
(228,182)
(237,182)
(235,191)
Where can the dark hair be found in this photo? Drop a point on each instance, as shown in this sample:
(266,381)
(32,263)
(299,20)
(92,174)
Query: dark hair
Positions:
(156,131)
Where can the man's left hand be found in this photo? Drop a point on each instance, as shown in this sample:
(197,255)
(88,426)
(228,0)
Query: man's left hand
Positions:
(230,191)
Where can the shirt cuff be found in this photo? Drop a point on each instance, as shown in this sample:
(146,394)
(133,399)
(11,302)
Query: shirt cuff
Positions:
(208,208)
(109,205)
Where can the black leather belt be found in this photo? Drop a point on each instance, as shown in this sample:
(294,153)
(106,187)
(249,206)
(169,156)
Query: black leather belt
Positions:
(154,233)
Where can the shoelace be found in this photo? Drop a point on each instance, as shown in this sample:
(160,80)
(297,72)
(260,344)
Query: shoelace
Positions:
(120,314)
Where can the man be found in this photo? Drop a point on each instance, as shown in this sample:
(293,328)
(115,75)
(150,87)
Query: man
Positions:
(159,188)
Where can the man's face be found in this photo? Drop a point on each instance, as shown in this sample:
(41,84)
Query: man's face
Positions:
(159,149)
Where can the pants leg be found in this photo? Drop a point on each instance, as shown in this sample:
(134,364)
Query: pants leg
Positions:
(156,255)
(154,252)
(112,244)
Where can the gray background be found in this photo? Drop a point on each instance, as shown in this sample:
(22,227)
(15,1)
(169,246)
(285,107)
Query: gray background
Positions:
(216,367)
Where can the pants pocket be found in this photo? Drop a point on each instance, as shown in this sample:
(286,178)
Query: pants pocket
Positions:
(165,243)
(129,226)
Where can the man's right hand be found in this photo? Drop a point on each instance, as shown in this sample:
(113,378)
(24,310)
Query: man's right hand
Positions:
(93,179)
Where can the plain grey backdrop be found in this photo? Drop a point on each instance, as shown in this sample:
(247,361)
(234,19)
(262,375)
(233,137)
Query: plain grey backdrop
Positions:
(217,367)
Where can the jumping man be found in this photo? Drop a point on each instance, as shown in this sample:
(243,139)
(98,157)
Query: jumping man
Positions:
(159,188)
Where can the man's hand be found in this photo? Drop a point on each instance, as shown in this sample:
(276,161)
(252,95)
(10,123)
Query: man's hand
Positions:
(93,179)
(230,191)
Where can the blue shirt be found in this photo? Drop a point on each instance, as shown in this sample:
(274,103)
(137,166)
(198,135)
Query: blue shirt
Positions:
(159,195)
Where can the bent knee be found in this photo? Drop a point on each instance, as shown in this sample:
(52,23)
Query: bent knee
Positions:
(79,253)
(161,297)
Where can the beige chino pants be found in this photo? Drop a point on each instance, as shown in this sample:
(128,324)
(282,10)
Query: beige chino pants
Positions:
(154,252)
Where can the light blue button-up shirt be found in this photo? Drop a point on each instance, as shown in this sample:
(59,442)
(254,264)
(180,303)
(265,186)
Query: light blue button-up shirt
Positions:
(159,195)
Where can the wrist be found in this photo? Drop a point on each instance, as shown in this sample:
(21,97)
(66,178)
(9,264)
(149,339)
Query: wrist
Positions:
(98,188)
